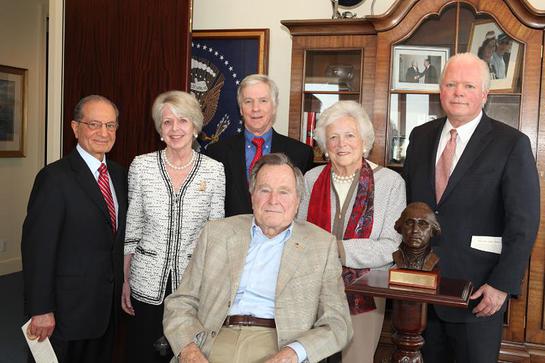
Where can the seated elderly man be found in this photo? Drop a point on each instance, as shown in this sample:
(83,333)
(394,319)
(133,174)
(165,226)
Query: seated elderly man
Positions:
(262,287)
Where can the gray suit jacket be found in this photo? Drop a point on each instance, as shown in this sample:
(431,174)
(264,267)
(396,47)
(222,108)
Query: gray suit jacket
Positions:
(310,305)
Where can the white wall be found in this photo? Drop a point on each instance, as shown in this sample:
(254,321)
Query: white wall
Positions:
(22,34)
(223,14)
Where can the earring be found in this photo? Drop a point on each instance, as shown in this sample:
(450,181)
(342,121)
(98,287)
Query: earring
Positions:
(326,155)
(162,139)
(195,135)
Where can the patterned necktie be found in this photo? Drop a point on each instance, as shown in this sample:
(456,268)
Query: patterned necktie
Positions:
(444,165)
(104,185)
(258,142)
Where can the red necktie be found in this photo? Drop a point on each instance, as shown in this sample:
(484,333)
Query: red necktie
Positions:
(104,185)
(444,165)
(258,142)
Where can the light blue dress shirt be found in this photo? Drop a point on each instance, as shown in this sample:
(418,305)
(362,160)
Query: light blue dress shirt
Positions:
(256,293)
(250,148)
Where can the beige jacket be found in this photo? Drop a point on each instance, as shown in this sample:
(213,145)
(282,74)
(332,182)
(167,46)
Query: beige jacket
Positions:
(311,305)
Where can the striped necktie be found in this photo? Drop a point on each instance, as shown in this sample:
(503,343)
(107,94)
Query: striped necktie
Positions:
(104,185)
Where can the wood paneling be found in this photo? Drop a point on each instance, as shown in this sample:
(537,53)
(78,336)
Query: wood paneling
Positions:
(129,51)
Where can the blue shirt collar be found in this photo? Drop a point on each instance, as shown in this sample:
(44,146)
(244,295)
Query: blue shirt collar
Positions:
(256,231)
(248,136)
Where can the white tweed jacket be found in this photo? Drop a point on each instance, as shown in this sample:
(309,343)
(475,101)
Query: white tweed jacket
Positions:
(163,226)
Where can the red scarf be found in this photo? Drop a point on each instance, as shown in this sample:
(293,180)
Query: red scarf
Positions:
(359,225)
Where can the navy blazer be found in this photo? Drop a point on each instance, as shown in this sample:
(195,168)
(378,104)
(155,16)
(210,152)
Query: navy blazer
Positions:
(231,153)
(493,191)
(72,262)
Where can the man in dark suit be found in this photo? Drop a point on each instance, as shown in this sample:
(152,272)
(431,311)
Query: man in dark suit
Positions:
(479,177)
(429,73)
(412,75)
(257,98)
(72,244)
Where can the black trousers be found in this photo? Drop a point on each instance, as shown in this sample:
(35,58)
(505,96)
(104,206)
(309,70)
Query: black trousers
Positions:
(475,342)
(97,350)
(143,330)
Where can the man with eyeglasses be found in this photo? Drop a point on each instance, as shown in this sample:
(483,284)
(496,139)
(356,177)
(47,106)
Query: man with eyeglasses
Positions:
(72,244)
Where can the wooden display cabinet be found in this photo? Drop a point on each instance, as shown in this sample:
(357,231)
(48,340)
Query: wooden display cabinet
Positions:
(331,61)
(413,30)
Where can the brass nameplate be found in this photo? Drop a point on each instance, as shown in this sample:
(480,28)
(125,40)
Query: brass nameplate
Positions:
(414,278)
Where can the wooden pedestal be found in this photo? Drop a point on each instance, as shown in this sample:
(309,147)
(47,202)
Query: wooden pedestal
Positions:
(410,308)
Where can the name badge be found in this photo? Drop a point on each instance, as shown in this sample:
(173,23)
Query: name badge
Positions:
(486,244)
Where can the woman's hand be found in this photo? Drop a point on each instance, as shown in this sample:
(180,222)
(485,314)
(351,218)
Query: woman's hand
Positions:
(126,304)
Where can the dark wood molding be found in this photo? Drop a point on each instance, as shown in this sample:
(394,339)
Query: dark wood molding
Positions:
(527,14)
(393,16)
(317,27)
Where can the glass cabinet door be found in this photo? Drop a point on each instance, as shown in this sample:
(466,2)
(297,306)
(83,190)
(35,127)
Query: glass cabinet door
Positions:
(329,76)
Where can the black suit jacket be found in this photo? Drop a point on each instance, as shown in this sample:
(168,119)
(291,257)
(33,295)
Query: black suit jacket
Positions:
(231,153)
(412,75)
(72,262)
(493,191)
(430,75)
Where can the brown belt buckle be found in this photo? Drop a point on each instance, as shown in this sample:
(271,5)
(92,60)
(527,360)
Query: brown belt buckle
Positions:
(241,320)
(247,320)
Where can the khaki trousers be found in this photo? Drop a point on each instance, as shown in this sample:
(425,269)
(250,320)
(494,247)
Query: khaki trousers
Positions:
(244,344)
(367,328)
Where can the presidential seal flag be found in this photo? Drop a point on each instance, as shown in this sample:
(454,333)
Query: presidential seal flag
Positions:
(219,61)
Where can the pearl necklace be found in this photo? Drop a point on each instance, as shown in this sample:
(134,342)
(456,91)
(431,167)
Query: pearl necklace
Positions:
(181,167)
(342,179)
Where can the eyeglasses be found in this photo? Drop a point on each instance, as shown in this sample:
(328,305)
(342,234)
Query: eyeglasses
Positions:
(95,125)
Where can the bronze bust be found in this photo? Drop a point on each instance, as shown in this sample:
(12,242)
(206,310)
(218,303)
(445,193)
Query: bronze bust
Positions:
(417,224)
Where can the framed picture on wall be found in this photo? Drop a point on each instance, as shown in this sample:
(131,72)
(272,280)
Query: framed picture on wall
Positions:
(500,52)
(417,68)
(12,111)
(220,59)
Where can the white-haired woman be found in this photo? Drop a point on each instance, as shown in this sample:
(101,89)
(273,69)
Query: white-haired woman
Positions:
(358,202)
(172,193)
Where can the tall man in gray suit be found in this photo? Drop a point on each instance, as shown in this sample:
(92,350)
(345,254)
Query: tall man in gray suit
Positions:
(262,287)
(480,178)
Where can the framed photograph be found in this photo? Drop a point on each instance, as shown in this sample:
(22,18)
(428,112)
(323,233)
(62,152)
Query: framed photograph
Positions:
(12,111)
(220,59)
(418,68)
(501,52)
